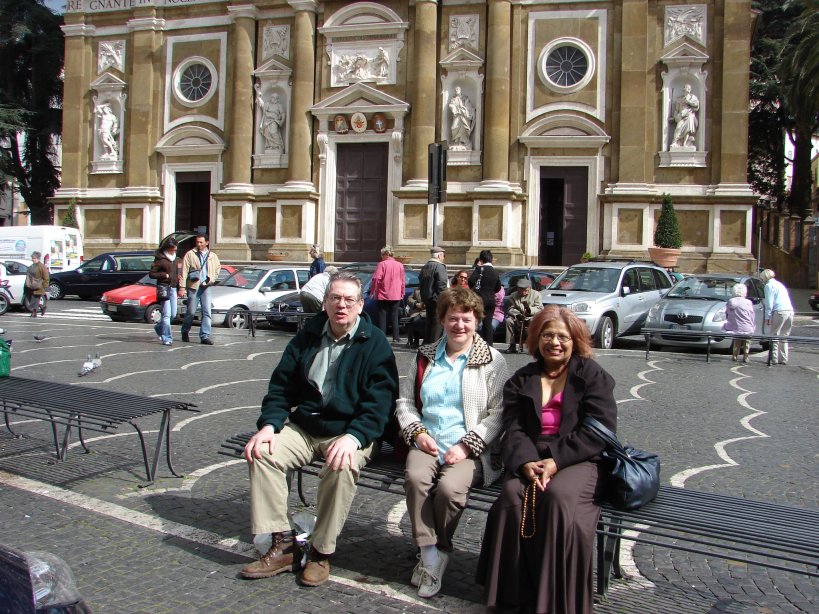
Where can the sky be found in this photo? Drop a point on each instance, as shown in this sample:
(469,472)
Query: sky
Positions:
(58,6)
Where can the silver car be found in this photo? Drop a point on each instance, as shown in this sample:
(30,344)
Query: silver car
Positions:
(612,298)
(697,303)
(251,288)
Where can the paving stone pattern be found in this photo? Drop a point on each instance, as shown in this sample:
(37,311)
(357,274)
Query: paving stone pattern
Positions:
(133,549)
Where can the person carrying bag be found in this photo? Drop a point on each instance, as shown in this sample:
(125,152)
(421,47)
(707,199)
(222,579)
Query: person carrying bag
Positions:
(35,296)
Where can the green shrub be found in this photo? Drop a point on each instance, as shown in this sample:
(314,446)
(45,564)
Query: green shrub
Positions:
(667,234)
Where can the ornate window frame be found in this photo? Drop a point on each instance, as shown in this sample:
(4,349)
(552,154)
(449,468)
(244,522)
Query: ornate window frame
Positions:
(566,41)
(177,78)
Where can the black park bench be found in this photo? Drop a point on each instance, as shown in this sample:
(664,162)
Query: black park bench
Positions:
(771,535)
(91,409)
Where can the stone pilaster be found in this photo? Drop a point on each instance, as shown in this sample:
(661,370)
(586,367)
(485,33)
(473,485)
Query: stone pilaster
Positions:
(143,111)
(425,48)
(633,111)
(736,52)
(78,74)
(240,136)
(301,120)
(496,149)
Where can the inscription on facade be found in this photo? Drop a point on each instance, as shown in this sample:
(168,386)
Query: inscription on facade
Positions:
(101,6)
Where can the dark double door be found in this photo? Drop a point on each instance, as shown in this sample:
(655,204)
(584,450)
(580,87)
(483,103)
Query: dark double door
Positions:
(361,201)
(563,215)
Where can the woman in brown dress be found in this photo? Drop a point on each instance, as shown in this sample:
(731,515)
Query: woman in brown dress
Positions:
(541,560)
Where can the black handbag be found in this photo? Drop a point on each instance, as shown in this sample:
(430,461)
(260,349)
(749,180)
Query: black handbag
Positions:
(163,293)
(633,475)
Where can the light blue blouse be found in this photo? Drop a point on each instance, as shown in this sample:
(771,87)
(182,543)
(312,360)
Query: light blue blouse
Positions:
(442,400)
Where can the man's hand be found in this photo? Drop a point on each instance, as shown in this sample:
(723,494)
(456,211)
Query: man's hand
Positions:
(340,453)
(427,444)
(253,449)
(456,454)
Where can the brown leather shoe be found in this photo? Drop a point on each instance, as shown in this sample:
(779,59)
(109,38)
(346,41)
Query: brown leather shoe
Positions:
(275,561)
(317,570)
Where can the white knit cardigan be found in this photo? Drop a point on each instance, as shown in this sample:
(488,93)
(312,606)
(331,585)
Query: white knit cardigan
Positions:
(482,395)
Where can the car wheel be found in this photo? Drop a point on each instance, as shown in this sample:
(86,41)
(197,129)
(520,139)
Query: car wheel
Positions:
(55,291)
(4,304)
(604,337)
(153,313)
(236,317)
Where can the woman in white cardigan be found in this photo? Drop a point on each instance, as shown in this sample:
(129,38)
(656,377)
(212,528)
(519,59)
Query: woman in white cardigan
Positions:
(450,414)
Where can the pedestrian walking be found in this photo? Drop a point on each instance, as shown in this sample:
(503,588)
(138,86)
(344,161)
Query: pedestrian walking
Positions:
(387,288)
(35,290)
(200,268)
(485,281)
(165,271)
(433,280)
(317,266)
(740,318)
(778,314)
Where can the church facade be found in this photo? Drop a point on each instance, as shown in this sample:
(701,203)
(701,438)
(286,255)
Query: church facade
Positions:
(276,124)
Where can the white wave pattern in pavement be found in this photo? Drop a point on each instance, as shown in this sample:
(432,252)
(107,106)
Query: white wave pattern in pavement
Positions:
(87,313)
(678,479)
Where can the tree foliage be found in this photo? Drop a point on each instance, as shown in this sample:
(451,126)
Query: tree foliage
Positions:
(784,95)
(70,217)
(667,234)
(31,48)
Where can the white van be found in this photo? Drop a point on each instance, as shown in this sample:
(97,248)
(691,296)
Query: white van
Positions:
(60,246)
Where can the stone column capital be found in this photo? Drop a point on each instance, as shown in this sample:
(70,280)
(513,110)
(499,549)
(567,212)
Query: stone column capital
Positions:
(146,23)
(78,29)
(304,5)
(242,11)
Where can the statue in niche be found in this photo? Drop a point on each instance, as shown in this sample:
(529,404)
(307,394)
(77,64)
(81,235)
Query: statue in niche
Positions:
(684,114)
(381,63)
(272,124)
(107,130)
(463,121)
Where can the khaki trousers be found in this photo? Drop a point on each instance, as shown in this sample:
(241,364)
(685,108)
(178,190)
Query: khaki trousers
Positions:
(294,449)
(781,323)
(437,496)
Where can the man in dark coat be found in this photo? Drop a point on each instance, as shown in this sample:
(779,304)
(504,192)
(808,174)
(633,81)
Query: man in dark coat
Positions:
(433,281)
(486,282)
(331,396)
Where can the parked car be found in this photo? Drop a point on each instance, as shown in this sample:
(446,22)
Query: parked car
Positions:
(15,271)
(540,279)
(698,303)
(252,288)
(612,298)
(137,302)
(101,273)
(285,309)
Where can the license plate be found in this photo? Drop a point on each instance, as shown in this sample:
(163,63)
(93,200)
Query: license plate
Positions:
(112,308)
(680,327)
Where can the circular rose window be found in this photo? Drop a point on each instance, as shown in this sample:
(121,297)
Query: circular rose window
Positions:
(195,81)
(566,65)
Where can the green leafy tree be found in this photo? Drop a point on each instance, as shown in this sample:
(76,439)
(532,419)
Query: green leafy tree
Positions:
(31,48)
(667,234)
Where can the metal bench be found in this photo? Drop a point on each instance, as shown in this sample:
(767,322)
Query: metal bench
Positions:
(88,409)
(711,337)
(721,526)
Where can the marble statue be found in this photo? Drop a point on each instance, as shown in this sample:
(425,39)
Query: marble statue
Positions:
(463,121)
(684,114)
(381,63)
(107,130)
(272,124)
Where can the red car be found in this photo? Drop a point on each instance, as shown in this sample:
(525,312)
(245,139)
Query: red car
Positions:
(137,302)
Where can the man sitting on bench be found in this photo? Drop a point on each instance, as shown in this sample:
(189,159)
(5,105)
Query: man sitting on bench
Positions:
(339,377)
(524,304)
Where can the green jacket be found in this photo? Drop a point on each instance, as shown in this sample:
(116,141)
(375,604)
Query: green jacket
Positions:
(366,386)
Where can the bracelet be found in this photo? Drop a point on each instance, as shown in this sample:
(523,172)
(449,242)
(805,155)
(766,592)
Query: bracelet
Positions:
(419,431)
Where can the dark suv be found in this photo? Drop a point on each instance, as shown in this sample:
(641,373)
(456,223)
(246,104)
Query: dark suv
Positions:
(612,298)
(101,273)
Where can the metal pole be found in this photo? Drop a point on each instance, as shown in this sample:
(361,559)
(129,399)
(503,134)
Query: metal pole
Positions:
(435,223)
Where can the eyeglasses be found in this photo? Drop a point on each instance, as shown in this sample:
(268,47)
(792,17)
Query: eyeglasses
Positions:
(462,278)
(552,336)
(347,301)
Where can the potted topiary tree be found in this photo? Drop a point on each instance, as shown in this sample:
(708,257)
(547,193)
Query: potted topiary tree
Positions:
(667,237)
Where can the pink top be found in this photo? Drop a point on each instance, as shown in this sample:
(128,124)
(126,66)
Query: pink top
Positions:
(551,415)
(498,313)
(388,281)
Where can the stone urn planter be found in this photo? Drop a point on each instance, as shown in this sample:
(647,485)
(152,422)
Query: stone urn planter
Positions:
(664,256)
(275,256)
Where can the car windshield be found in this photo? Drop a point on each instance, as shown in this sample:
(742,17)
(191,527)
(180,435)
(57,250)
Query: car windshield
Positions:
(704,288)
(587,279)
(146,281)
(246,278)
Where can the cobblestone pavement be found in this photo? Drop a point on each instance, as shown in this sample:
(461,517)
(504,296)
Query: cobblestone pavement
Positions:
(177,545)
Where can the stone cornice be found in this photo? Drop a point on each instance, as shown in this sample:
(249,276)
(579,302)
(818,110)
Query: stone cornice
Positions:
(78,29)
(146,23)
(304,5)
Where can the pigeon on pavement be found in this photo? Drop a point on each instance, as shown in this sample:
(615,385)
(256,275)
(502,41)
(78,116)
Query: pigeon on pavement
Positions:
(39,338)
(97,361)
(87,367)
